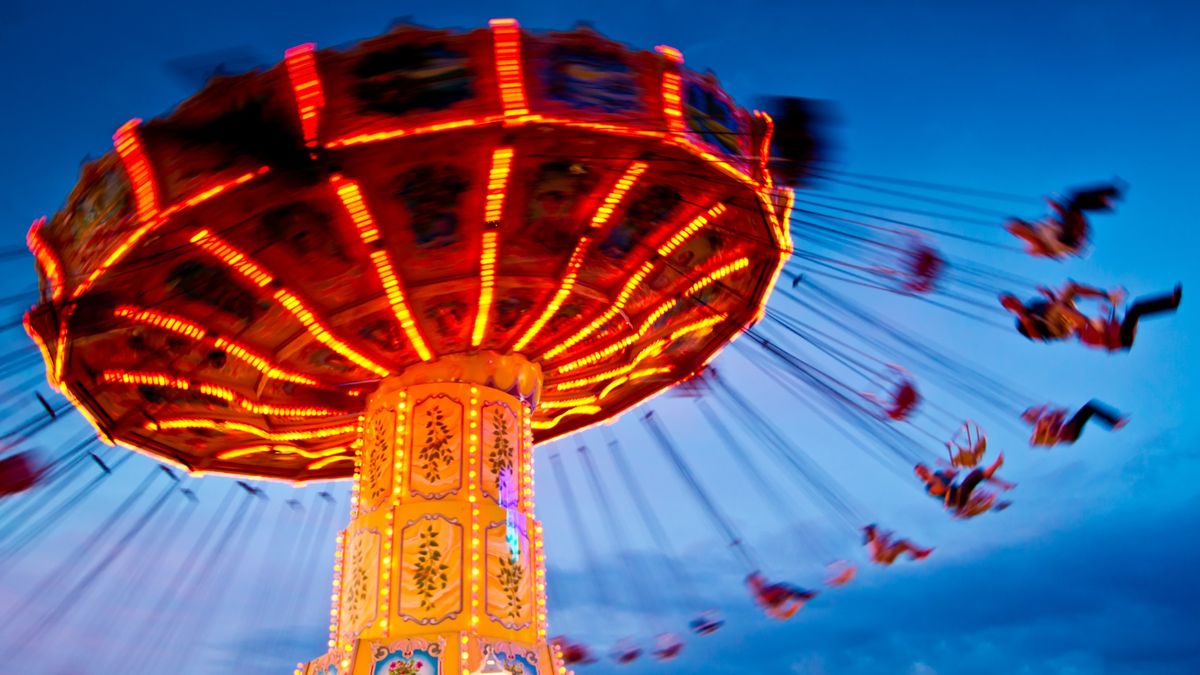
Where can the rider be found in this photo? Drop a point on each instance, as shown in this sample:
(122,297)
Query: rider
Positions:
(963,499)
(1051,426)
(781,601)
(1057,317)
(1066,232)
(884,551)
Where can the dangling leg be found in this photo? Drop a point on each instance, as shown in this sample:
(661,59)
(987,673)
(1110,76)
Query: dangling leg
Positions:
(972,481)
(1146,307)
(1073,429)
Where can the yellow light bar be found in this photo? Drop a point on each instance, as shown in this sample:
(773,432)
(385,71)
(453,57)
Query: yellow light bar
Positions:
(553,422)
(188,329)
(487,284)
(611,201)
(506,37)
(672,244)
(352,200)
(46,258)
(241,263)
(234,453)
(306,88)
(205,423)
(492,213)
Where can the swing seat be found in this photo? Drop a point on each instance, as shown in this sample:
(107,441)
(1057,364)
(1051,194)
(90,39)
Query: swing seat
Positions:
(707,623)
(19,473)
(667,646)
(626,651)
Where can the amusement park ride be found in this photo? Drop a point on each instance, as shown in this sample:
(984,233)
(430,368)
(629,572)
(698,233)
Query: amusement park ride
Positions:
(398,264)
(408,262)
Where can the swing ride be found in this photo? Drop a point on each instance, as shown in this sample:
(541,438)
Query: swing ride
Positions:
(408,262)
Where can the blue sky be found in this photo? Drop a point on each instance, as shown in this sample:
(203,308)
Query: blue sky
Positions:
(1090,572)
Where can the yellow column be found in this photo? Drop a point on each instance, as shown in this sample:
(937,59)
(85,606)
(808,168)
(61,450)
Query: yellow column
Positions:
(441,564)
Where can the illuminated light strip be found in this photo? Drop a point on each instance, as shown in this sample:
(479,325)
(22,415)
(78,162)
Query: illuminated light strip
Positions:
(234,258)
(306,86)
(49,262)
(566,403)
(164,380)
(376,137)
(147,225)
(615,308)
(47,356)
(635,375)
(553,422)
(492,213)
(668,248)
(527,454)
(322,463)
(612,385)
(487,285)
(664,251)
(560,295)
(764,148)
(129,148)
(473,499)
(716,275)
(697,326)
(282,449)
(622,187)
(497,184)
(191,330)
(506,40)
(288,411)
(598,355)
(651,350)
(204,423)
(785,220)
(352,199)
(46,258)
(209,193)
(662,309)
(691,228)
(672,88)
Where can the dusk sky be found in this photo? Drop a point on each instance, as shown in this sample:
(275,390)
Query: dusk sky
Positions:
(1092,569)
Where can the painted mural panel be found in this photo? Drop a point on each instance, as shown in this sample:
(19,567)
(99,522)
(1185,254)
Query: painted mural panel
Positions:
(97,217)
(360,583)
(401,78)
(509,588)
(379,439)
(587,78)
(435,456)
(431,571)
(501,447)
(408,657)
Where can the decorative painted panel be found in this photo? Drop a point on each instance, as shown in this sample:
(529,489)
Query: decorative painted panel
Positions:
(509,590)
(501,448)
(408,657)
(360,584)
(430,553)
(379,439)
(435,459)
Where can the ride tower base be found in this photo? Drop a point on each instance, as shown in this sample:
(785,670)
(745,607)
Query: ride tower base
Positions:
(440,570)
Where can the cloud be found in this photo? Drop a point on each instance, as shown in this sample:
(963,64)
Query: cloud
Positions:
(1112,595)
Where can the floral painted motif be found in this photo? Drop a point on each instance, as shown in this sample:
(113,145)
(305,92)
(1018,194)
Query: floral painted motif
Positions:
(500,457)
(510,576)
(436,451)
(430,575)
(376,457)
